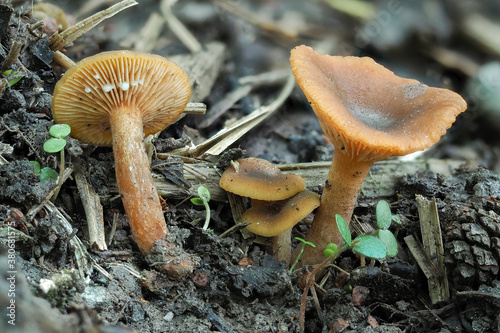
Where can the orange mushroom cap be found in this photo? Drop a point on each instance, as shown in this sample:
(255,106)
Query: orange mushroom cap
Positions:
(272,220)
(259,179)
(108,81)
(368,112)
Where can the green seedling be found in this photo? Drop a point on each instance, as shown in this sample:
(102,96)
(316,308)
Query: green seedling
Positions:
(302,247)
(330,249)
(384,220)
(381,244)
(14,80)
(56,144)
(44,173)
(203,199)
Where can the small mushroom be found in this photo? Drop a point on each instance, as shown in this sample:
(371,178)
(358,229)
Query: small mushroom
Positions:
(368,114)
(117,98)
(277,219)
(260,179)
(264,183)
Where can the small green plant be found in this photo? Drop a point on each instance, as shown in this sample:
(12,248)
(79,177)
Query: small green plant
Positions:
(14,80)
(44,173)
(384,220)
(203,199)
(380,245)
(330,249)
(56,144)
(302,247)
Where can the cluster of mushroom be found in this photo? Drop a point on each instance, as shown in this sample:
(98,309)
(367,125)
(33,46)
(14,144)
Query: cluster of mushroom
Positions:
(279,200)
(368,113)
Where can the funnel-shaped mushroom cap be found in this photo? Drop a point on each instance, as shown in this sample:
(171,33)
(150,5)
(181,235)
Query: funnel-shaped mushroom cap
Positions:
(368,112)
(116,81)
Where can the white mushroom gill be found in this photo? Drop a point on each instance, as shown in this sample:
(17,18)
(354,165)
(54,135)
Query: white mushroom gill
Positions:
(136,83)
(124,86)
(108,87)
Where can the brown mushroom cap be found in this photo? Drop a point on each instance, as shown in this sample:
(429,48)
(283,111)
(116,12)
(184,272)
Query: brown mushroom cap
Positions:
(272,220)
(259,179)
(367,111)
(109,81)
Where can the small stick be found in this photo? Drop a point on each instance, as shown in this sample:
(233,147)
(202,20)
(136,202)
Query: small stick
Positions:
(316,303)
(433,245)
(12,56)
(59,40)
(93,211)
(113,229)
(234,227)
(179,29)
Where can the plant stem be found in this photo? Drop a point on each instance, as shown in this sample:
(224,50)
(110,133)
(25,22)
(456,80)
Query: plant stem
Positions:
(298,257)
(60,179)
(207,218)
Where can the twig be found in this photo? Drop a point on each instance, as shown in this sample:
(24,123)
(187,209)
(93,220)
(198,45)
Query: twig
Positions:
(62,226)
(433,246)
(253,18)
(184,35)
(113,229)
(147,37)
(14,51)
(59,40)
(226,137)
(234,227)
(93,211)
(102,270)
(237,210)
(316,304)
(309,282)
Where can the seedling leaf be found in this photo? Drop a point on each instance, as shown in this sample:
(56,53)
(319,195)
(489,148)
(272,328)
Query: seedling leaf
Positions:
(383,215)
(197,201)
(60,131)
(14,80)
(305,242)
(302,246)
(204,193)
(54,145)
(37,167)
(390,242)
(396,219)
(48,173)
(344,229)
(330,249)
(369,246)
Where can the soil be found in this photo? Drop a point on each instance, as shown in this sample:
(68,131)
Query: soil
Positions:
(238,286)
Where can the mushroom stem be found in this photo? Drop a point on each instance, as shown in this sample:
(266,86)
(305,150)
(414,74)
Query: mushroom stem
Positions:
(282,245)
(135,183)
(345,178)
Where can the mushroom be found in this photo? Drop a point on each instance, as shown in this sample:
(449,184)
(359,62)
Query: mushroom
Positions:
(264,184)
(259,179)
(116,99)
(368,114)
(277,219)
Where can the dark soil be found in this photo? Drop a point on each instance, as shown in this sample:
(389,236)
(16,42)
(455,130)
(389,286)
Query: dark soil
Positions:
(119,292)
